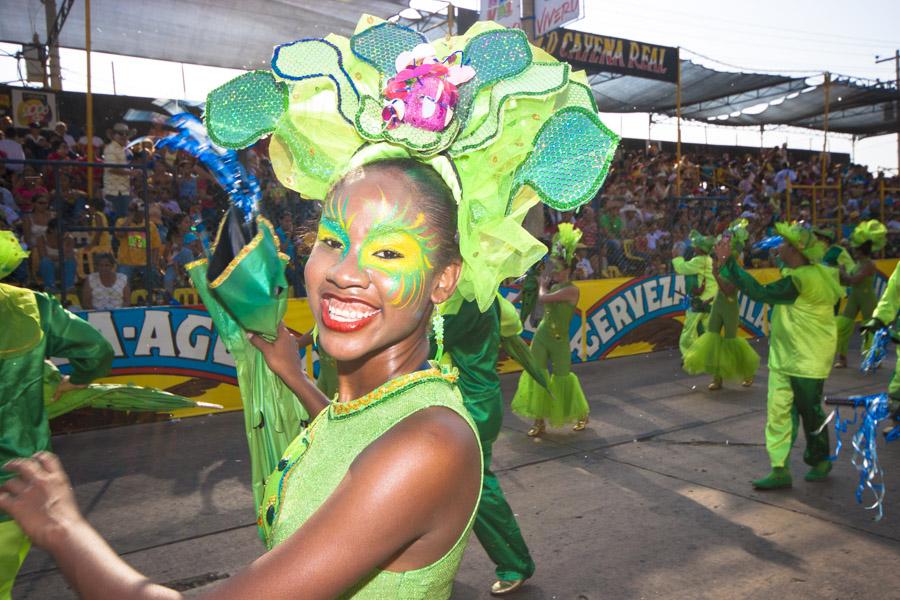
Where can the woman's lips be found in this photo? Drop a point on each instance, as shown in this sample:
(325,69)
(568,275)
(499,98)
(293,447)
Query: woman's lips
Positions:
(345,316)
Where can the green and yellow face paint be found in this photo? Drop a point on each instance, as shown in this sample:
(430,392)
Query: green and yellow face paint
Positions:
(400,245)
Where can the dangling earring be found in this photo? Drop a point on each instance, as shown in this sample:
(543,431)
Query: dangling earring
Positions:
(437,328)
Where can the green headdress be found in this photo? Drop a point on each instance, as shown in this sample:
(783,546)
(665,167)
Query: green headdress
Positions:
(11,253)
(738,234)
(869,231)
(704,243)
(503,123)
(565,240)
(803,239)
(825,232)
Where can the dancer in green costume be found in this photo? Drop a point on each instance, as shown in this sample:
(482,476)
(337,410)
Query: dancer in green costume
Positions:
(376,497)
(885,315)
(867,238)
(719,351)
(472,340)
(700,286)
(565,402)
(34,327)
(801,348)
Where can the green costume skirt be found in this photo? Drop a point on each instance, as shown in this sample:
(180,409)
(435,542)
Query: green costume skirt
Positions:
(719,351)
(694,324)
(567,404)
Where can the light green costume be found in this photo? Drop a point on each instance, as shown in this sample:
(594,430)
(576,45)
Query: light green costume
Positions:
(699,267)
(719,351)
(801,351)
(550,345)
(316,462)
(35,326)
(886,313)
(862,295)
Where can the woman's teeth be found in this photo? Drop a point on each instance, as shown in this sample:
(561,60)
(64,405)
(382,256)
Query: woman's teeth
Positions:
(340,311)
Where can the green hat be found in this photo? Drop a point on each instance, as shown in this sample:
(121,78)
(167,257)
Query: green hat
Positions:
(564,242)
(869,231)
(703,243)
(803,239)
(246,274)
(738,233)
(11,253)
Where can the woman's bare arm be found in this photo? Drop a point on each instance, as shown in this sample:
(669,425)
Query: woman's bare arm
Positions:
(402,505)
(866,269)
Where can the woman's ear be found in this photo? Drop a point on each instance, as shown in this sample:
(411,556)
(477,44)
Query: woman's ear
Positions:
(445,282)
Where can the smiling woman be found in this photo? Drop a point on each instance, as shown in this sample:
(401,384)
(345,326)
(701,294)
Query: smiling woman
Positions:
(424,198)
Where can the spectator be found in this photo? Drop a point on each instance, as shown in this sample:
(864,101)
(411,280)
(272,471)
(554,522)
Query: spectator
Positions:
(62,130)
(133,246)
(37,221)
(117,181)
(12,149)
(48,253)
(36,145)
(105,288)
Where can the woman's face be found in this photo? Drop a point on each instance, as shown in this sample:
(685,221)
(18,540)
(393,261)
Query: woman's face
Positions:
(105,266)
(370,274)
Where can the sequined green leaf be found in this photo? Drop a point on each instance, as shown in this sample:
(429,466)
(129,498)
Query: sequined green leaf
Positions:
(380,45)
(570,160)
(246,108)
(495,55)
(306,59)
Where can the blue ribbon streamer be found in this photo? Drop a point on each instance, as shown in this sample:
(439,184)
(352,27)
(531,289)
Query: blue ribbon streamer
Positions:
(191,137)
(865,450)
(876,352)
(768,243)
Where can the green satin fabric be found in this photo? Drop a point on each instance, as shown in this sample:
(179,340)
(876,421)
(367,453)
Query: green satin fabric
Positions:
(59,334)
(273,416)
(701,266)
(317,461)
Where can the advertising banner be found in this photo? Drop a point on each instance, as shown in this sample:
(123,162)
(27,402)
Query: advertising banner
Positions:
(32,106)
(176,348)
(503,12)
(605,54)
(552,14)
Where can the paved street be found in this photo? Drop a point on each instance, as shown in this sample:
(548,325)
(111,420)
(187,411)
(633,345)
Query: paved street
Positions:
(652,501)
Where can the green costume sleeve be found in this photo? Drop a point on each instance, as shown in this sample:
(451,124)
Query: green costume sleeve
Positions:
(71,337)
(688,267)
(783,291)
(887,308)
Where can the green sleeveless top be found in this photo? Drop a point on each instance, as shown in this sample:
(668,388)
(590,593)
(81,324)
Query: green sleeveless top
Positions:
(554,325)
(318,459)
(803,338)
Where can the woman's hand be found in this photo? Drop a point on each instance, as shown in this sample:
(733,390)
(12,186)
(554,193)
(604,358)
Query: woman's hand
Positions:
(282,355)
(40,499)
(723,250)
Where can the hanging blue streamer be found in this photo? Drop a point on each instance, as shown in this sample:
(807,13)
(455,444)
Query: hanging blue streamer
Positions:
(191,137)
(865,450)
(768,243)
(877,351)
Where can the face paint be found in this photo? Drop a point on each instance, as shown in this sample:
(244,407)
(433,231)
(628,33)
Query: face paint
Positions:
(334,226)
(401,248)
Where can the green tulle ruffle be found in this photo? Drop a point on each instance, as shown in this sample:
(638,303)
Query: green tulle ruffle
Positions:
(567,404)
(731,359)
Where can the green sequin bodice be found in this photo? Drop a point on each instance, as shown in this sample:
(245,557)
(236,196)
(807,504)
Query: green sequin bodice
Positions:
(318,459)
(554,324)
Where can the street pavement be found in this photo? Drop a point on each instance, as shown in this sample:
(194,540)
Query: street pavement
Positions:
(652,500)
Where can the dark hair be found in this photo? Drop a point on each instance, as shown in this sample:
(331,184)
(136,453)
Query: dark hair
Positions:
(434,196)
(105,256)
(53,224)
(865,248)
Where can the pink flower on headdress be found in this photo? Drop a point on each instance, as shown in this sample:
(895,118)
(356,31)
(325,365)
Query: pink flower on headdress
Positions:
(424,90)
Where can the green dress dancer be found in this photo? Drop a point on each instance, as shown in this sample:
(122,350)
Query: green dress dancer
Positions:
(867,238)
(719,351)
(472,340)
(885,315)
(243,287)
(35,326)
(311,472)
(565,402)
(801,350)
(699,268)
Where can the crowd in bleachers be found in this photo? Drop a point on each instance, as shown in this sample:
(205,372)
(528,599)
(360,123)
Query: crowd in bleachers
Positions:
(640,220)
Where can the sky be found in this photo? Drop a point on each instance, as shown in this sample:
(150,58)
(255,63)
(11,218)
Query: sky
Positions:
(776,36)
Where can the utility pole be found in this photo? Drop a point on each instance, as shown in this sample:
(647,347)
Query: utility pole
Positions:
(53,43)
(896,59)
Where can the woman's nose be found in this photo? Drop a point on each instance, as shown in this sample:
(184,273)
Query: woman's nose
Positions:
(346,272)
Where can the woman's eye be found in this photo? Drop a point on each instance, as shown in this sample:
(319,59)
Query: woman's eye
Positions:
(332,243)
(388,254)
